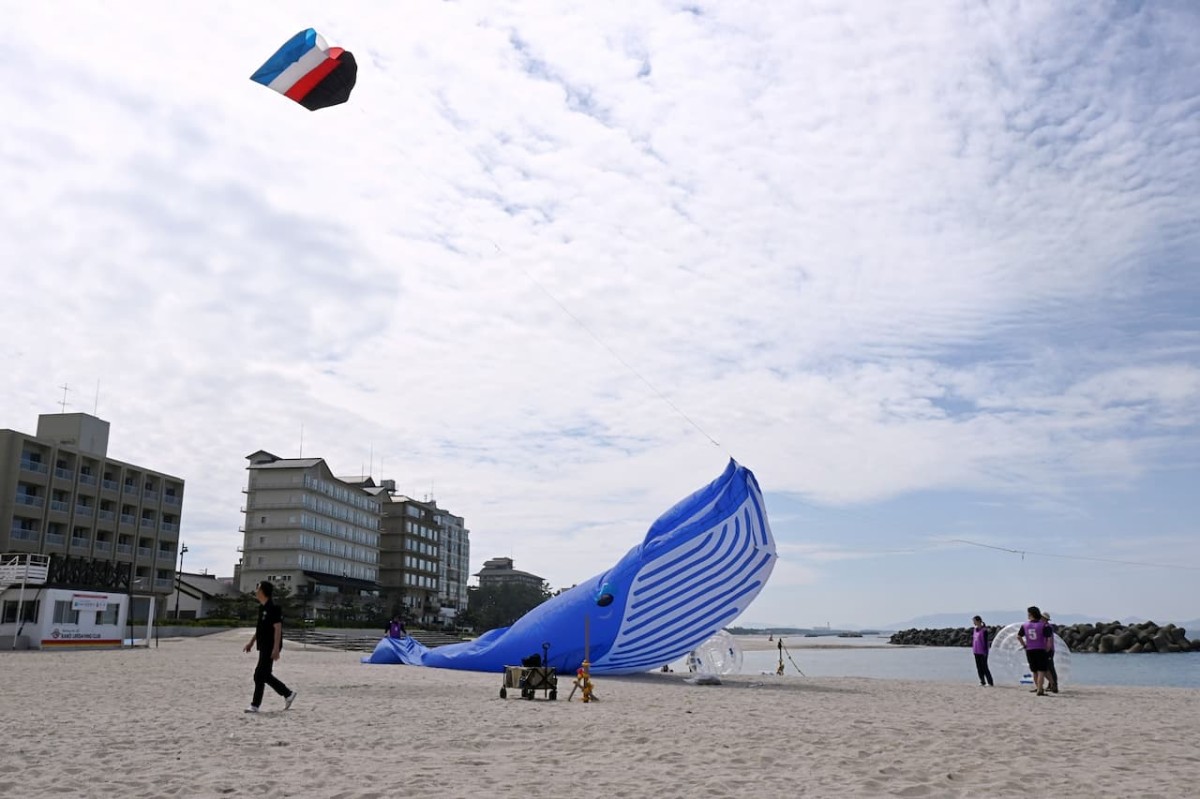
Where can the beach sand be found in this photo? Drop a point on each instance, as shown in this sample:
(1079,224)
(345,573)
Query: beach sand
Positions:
(168,722)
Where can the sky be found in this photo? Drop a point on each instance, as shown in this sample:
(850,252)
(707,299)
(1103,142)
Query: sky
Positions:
(928,269)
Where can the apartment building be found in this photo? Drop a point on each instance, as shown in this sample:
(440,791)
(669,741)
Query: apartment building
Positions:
(454,568)
(105,525)
(308,530)
(423,556)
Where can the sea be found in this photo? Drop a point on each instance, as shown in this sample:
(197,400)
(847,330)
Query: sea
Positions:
(869,656)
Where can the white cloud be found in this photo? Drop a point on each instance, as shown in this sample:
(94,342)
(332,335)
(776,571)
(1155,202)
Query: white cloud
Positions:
(873,252)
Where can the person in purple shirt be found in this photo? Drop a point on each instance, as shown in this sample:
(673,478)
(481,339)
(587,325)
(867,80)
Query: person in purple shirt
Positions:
(979,645)
(396,628)
(1033,634)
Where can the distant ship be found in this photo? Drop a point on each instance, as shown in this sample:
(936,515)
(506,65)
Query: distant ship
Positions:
(849,635)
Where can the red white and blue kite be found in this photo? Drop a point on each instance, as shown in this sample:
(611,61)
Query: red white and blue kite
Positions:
(309,71)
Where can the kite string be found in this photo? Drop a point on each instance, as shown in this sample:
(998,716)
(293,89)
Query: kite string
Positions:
(1023,553)
(610,350)
(942,546)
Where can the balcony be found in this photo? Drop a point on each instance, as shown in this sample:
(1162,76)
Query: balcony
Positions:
(127,518)
(130,488)
(87,479)
(150,496)
(147,523)
(106,516)
(80,543)
(168,527)
(124,549)
(164,584)
(171,499)
(145,552)
(60,506)
(103,546)
(21,534)
(83,510)
(34,466)
(55,540)
(109,485)
(64,474)
(32,501)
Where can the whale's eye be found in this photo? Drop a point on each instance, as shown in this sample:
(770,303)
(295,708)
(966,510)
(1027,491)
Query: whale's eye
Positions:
(604,600)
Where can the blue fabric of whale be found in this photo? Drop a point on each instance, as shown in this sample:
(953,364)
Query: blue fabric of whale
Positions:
(699,566)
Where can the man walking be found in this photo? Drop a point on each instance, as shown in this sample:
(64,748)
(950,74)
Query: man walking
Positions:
(268,634)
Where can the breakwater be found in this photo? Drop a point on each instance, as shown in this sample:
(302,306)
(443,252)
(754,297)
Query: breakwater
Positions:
(1104,638)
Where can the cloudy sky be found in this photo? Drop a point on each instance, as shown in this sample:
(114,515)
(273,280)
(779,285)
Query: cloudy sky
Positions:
(929,269)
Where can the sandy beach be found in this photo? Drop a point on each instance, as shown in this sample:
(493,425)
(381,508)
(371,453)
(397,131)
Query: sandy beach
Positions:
(168,722)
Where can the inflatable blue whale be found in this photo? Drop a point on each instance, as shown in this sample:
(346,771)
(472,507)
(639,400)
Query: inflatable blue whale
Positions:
(700,565)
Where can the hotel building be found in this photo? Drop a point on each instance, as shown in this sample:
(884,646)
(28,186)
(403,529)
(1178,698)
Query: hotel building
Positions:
(108,530)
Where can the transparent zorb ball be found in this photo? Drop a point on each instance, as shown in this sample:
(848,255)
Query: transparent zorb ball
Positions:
(1006,658)
(720,654)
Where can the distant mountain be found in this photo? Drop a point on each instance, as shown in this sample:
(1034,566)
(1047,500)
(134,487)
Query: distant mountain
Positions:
(936,621)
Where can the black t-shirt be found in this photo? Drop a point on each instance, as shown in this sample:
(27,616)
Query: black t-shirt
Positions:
(269,615)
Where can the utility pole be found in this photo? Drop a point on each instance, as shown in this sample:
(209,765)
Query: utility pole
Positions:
(179,579)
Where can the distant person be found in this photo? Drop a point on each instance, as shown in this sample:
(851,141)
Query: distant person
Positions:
(979,646)
(268,635)
(396,628)
(1033,634)
(1052,681)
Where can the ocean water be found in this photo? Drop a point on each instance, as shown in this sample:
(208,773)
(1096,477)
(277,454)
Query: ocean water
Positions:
(874,657)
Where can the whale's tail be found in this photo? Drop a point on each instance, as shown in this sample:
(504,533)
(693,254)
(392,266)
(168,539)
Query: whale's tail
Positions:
(406,651)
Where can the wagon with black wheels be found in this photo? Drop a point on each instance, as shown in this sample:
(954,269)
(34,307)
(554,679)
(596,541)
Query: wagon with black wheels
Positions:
(529,680)
(531,676)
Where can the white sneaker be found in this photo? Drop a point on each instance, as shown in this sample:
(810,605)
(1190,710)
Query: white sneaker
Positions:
(251,709)
(287,700)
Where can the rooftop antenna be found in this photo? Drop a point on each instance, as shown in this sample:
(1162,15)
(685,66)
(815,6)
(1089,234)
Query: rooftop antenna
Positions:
(302,439)
(63,404)
(96,405)
(371,455)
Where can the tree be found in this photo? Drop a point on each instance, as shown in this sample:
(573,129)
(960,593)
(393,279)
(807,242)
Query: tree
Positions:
(499,605)
(244,606)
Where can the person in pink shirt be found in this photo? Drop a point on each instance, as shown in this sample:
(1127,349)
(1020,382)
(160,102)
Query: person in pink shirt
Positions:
(979,646)
(1033,634)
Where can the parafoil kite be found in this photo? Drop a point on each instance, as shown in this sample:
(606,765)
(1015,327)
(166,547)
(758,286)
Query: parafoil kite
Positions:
(309,71)
(699,566)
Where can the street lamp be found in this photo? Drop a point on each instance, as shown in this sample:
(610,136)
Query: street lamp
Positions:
(179,579)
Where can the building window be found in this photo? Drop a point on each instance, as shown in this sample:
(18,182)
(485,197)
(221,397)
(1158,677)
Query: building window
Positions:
(108,615)
(8,615)
(63,613)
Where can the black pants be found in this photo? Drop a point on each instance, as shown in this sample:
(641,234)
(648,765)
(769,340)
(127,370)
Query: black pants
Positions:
(981,666)
(1053,683)
(263,676)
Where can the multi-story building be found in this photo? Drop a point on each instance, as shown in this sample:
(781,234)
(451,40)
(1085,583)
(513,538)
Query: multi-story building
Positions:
(454,568)
(424,552)
(411,552)
(105,525)
(310,531)
(500,571)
